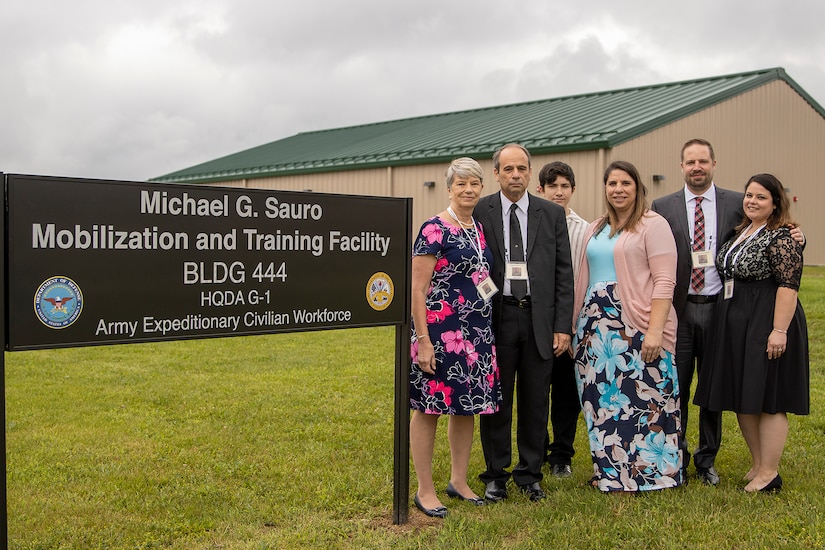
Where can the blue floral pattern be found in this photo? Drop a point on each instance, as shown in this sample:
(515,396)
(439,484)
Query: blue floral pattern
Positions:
(631,409)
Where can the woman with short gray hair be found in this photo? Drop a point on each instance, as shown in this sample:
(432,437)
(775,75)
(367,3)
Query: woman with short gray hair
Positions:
(454,370)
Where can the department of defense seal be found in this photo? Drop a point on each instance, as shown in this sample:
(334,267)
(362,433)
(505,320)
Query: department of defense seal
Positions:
(58,302)
(380,291)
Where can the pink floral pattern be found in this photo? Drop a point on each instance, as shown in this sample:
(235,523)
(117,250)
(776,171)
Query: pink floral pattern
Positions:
(466,380)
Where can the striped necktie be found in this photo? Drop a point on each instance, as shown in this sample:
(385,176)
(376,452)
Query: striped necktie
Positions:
(697,276)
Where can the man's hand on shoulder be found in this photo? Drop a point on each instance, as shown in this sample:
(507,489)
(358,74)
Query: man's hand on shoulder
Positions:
(797,235)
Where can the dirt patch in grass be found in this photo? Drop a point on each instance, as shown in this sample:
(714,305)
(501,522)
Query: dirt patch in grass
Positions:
(415,522)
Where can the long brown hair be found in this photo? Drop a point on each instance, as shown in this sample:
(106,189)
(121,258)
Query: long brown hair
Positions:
(639,207)
(781,215)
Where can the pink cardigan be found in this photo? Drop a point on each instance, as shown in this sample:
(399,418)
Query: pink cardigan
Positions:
(645,261)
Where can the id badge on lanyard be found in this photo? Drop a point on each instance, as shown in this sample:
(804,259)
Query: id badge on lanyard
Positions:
(728,293)
(728,288)
(701,258)
(487,288)
(516,271)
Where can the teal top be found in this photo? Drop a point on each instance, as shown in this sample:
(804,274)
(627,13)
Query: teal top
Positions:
(600,256)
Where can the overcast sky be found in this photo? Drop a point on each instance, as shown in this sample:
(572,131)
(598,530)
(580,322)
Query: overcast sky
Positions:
(136,89)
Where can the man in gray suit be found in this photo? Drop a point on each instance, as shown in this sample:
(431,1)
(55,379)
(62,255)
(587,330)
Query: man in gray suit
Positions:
(532,318)
(698,284)
(694,303)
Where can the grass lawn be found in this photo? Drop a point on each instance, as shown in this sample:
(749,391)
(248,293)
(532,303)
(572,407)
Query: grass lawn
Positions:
(286,441)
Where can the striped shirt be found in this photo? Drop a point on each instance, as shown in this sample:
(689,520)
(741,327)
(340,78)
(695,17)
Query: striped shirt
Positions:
(576,227)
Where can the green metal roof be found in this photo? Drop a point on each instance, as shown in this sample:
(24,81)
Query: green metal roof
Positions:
(572,123)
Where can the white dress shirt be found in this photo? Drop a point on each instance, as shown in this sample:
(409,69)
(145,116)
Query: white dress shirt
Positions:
(713,282)
(576,227)
(521,214)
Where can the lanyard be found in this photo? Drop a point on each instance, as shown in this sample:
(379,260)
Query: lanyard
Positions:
(475,243)
(729,268)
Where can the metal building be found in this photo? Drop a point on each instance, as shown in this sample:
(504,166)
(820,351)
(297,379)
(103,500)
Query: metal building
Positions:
(759,121)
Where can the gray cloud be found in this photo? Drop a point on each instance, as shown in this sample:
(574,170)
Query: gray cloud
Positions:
(132,90)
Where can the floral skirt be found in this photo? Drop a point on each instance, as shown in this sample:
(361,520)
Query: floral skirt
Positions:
(631,408)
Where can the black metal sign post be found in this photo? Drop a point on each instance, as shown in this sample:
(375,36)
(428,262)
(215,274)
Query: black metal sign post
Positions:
(401,446)
(94,262)
(4,525)
(401,454)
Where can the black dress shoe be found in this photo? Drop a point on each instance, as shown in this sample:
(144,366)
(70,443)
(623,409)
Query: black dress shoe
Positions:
(709,476)
(496,490)
(452,493)
(562,470)
(774,486)
(440,512)
(533,491)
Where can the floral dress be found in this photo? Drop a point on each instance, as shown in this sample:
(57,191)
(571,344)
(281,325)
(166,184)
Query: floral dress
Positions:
(631,408)
(459,320)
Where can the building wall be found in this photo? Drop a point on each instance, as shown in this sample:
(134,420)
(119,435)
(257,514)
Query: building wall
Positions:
(408,181)
(769,129)
(353,182)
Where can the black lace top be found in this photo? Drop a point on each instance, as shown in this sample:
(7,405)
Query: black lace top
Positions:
(771,254)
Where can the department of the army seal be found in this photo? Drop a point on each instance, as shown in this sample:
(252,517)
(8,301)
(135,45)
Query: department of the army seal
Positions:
(380,291)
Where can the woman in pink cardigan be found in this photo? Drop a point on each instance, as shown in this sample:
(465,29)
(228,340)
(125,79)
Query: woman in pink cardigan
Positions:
(625,339)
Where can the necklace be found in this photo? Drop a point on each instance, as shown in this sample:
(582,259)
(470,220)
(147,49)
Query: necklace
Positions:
(475,243)
(469,224)
(751,230)
(744,239)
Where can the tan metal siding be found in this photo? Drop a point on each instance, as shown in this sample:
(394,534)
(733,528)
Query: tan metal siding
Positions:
(354,182)
(769,129)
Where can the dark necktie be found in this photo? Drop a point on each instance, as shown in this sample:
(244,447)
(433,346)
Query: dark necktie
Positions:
(517,287)
(697,276)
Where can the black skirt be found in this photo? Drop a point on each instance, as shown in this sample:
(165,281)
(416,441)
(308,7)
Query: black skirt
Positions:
(737,374)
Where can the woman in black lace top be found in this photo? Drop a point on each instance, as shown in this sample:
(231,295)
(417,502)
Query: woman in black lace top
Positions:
(759,367)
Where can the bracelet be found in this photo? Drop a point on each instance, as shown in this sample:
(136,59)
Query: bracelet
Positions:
(781,331)
(420,336)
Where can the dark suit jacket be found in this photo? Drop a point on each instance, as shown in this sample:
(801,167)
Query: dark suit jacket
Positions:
(549,266)
(672,207)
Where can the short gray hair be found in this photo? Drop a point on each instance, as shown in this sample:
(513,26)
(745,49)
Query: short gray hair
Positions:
(464,167)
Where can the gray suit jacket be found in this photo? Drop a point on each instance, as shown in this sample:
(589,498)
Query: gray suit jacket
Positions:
(549,266)
(672,207)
